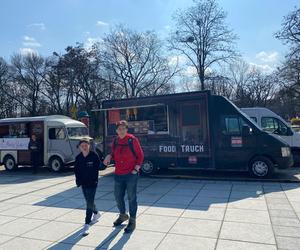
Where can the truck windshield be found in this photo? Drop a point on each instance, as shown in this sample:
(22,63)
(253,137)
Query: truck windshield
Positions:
(249,120)
(77,131)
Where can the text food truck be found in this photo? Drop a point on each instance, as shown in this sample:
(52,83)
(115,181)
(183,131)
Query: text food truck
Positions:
(58,136)
(273,123)
(196,130)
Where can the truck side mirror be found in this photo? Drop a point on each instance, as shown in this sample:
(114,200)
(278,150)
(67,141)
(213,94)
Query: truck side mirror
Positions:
(289,132)
(246,130)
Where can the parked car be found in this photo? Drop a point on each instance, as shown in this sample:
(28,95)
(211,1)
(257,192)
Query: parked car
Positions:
(273,123)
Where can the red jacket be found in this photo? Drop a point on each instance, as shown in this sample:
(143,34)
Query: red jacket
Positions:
(124,159)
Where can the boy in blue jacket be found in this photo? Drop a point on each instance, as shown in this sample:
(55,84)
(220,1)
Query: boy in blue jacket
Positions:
(86,173)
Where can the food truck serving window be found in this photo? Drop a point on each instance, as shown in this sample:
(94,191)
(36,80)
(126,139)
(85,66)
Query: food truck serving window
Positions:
(15,130)
(141,120)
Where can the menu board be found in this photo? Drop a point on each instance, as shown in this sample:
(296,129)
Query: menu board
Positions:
(141,127)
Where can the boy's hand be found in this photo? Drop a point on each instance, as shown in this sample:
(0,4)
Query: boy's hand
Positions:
(107,160)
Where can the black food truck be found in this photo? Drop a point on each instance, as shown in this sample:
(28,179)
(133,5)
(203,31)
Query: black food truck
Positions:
(195,130)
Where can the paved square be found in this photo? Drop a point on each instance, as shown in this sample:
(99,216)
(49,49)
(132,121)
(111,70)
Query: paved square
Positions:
(46,211)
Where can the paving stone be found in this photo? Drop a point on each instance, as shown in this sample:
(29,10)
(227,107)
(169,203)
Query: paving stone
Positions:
(185,242)
(75,216)
(287,231)
(169,210)
(246,194)
(65,246)
(282,213)
(183,191)
(204,213)
(20,210)
(49,213)
(197,227)
(20,226)
(247,216)
(136,241)
(155,223)
(213,193)
(288,243)
(209,202)
(4,219)
(247,232)
(175,199)
(280,206)
(52,231)
(150,198)
(23,243)
(97,237)
(248,204)
(4,238)
(239,245)
(281,221)
(296,205)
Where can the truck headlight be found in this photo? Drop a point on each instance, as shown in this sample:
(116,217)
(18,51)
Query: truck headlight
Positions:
(285,151)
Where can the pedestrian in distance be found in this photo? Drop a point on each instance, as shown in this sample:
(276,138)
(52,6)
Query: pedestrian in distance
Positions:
(35,151)
(86,173)
(128,156)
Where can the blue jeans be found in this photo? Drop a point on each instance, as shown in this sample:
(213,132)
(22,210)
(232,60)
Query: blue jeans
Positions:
(127,183)
(89,195)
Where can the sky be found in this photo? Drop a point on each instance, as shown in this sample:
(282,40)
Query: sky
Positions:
(46,26)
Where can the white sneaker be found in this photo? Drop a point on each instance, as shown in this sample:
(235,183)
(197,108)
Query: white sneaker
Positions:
(95,218)
(85,230)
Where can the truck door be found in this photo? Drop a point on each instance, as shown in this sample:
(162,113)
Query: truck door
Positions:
(193,149)
(58,143)
(235,143)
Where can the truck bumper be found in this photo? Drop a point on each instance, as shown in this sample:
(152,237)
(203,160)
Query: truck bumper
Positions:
(284,162)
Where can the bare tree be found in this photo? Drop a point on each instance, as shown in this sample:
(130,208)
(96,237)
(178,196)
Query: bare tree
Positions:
(289,71)
(203,37)
(7,105)
(136,60)
(27,80)
(290,32)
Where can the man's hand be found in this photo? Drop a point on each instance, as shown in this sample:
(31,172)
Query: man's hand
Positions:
(107,160)
(137,168)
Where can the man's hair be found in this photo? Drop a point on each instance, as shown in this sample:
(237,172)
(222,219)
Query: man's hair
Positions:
(122,123)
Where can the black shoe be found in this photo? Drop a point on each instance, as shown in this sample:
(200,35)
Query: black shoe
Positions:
(131,226)
(121,219)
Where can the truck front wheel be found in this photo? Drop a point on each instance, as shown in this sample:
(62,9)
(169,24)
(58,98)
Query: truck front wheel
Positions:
(56,164)
(261,167)
(9,163)
(148,168)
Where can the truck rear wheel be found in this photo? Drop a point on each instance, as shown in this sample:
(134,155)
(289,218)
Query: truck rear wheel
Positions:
(261,167)
(9,163)
(56,164)
(148,168)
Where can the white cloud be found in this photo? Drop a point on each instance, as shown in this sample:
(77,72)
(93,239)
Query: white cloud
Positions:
(268,57)
(190,71)
(26,51)
(101,24)
(90,41)
(174,60)
(265,68)
(40,26)
(30,42)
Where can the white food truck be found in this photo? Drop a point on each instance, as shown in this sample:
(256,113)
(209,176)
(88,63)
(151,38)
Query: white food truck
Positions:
(273,123)
(58,135)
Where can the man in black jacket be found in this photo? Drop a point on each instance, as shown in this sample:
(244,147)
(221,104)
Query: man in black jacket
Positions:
(86,173)
(35,151)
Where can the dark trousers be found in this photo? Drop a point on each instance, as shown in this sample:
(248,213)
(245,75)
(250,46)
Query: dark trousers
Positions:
(35,161)
(89,195)
(127,183)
